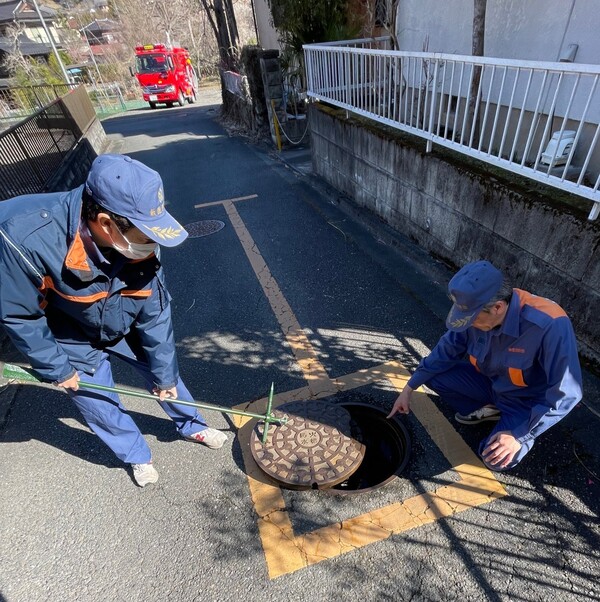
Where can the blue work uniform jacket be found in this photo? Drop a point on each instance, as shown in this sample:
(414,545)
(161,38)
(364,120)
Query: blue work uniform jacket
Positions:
(62,303)
(531,360)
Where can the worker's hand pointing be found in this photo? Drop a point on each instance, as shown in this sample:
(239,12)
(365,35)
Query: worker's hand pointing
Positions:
(402,404)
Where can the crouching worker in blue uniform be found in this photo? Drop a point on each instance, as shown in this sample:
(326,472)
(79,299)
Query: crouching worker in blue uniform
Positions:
(81,282)
(508,356)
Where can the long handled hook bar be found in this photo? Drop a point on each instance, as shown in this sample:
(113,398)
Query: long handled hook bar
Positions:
(10,371)
(267,424)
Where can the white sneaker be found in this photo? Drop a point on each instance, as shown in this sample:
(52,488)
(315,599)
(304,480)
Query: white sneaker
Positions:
(210,437)
(144,474)
(480,415)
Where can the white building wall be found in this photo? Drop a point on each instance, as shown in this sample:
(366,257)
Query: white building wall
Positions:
(516,29)
(446,25)
(583,29)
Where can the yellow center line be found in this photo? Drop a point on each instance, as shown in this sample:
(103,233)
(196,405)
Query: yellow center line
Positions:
(305,355)
(234,200)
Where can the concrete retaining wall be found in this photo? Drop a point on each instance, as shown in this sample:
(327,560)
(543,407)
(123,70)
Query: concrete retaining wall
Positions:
(463,210)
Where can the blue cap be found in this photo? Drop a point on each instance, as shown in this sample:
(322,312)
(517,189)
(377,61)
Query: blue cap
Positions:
(131,189)
(471,288)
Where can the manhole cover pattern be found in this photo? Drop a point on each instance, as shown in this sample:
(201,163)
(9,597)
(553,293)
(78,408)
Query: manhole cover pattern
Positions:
(314,449)
(204,228)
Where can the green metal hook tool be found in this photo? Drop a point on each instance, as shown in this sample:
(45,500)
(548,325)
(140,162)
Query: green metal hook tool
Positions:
(268,413)
(12,372)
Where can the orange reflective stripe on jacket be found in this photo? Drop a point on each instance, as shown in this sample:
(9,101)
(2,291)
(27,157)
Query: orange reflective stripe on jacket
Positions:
(76,258)
(541,304)
(473,361)
(48,284)
(142,293)
(516,377)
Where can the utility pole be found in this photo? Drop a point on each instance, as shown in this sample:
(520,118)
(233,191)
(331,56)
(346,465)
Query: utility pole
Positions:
(102,86)
(51,39)
(83,31)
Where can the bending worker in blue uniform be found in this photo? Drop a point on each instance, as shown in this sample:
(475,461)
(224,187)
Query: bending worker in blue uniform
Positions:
(508,356)
(81,282)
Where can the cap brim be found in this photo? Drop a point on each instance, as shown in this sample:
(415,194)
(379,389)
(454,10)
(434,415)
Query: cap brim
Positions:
(165,230)
(459,320)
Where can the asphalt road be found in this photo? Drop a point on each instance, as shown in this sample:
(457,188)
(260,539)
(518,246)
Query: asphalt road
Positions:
(294,271)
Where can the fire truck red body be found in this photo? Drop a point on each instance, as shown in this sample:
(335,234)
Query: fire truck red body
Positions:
(165,74)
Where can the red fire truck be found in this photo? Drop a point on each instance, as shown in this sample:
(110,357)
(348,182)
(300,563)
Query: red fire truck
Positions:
(165,74)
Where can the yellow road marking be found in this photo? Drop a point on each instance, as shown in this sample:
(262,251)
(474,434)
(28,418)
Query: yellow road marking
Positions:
(303,351)
(234,200)
(286,552)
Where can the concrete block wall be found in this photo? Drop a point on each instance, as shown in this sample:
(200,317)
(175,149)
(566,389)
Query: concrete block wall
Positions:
(462,212)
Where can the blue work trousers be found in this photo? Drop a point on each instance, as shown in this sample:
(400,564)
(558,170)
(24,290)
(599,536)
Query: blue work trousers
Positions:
(107,417)
(467,390)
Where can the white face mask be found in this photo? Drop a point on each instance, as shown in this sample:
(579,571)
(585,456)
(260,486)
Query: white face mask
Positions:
(135,250)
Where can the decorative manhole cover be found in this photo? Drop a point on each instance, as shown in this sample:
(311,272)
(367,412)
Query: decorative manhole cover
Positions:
(204,228)
(313,450)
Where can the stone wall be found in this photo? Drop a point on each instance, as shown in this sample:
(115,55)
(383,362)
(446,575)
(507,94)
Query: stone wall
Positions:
(247,108)
(463,210)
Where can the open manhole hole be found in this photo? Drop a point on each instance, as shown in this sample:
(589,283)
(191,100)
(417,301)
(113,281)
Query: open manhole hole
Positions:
(387,448)
(204,227)
(342,448)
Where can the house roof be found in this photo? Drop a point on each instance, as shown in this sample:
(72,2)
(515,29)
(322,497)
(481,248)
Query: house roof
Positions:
(23,11)
(102,49)
(7,10)
(26,46)
(100,26)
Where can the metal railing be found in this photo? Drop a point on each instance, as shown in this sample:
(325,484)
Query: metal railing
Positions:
(32,151)
(20,102)
(539,120)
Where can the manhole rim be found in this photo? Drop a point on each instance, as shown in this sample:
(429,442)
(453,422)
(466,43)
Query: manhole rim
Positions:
(396,423)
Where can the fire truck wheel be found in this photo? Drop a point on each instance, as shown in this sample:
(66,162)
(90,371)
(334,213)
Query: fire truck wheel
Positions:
(192,98)
(180,98)
(152,105)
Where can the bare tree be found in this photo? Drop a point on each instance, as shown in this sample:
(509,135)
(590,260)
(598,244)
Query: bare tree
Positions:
(382,14)
(224,24)
(29,70)
(15,61)
(208,28)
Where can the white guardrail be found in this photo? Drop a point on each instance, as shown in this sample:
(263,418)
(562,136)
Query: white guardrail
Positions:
(537,119)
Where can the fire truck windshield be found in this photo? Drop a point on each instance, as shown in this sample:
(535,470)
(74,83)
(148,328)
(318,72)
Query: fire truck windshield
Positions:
(151,63)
